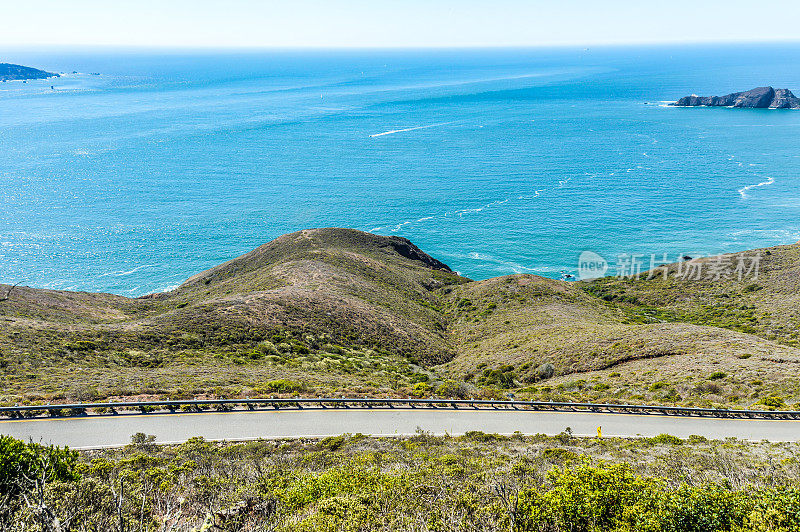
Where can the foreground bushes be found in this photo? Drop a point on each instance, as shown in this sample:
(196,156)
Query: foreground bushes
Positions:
(27,470)
(612,498)
(22,462)
(424,483)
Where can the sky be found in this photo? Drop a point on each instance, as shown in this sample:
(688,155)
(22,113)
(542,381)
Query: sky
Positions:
(392,23)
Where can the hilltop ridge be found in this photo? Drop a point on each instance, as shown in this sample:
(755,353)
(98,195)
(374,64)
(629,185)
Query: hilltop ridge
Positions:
(322,310)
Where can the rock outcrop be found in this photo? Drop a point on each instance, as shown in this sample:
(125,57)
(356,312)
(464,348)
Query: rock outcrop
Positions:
(10,72)
(784,99)
(759,98)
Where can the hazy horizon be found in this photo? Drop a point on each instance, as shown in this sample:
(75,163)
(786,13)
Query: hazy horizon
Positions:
(266,48)
(312,24)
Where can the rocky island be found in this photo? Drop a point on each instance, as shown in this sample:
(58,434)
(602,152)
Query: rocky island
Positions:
(11,72)
(759,98)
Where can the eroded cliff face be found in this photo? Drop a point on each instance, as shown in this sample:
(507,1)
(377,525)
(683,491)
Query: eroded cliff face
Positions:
(784,99)
(758,98)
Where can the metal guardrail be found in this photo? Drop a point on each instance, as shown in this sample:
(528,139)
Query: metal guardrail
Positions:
(199,405)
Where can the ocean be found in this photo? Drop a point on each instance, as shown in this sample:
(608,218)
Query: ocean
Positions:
(145,167)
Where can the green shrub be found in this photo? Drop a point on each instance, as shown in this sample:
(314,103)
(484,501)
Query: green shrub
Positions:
(266,348)
(334,349)
(299,348)
(772,402)
(81,345)
(332,443)
(21,463)
(283,347)
(560,455)
(502,377)
(477,435)
(452,389)
(705,508)
(421,389)
(717,375)
(667,439)
(282,386)
(464,303)
(611,498)
(545,371)
(143,442)
(776,509)
(584,499)
(752,288)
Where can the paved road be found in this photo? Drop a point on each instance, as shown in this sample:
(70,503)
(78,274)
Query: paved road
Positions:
(116,430)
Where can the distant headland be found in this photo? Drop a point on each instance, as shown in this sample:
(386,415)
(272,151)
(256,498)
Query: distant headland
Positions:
(11,72)
(759,98)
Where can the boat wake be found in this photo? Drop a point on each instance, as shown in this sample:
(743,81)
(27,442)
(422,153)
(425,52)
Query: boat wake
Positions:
(393,131)
(743,191)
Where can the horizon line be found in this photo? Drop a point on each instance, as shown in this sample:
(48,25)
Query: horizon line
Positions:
(255,48)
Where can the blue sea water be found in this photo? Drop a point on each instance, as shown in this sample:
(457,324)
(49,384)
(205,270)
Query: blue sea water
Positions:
(494,161)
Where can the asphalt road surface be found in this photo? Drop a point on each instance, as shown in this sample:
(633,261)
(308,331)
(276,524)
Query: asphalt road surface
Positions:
(100,431)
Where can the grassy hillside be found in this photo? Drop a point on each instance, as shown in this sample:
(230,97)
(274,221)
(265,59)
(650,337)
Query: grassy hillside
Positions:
(661,340)
(331,307)
(342,311)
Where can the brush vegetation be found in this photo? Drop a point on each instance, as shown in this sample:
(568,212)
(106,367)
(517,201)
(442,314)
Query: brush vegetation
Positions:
(339,311)
(421,483)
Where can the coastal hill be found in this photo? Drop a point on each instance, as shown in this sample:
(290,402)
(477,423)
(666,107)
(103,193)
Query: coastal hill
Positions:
(11,72)
(759,98)
(333,311)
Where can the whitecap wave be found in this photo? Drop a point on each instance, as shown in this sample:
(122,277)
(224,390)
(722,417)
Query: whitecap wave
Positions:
(789,235)
(536,194)
(462,212)
(399,226)
(514,267)
(168,288)
(123,273)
